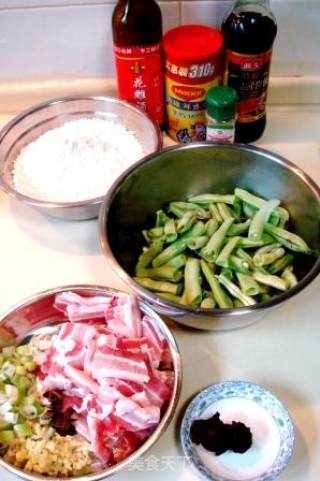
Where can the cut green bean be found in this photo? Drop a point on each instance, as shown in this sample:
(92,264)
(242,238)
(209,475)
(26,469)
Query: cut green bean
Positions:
(246,243)
(169,297)
(192,281)
(197,242)
(211,227)
(268,254)
(183,299)
(248,285)
(197,229)
(227,272)
(265,297)
(221,297)
(178,261)
(169,230)
(208,303)
(281,264)
(237,229)
(249,210)
(212,199)
(225,211)
(239,265)
(289,277)
(161,218)
(159,286)
(155,232)
(269,280)
(246,257)
(235,291)
(261,218)
(238,303)
(176,210)
(147,256)
(186,222)
(162,273)
(223,258)
(237,208)
(258,202)
(215,214)
(187,206)
(169,252)
(288,239)
(211,251)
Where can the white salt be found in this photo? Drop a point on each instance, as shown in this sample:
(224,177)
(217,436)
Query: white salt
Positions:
(77,161)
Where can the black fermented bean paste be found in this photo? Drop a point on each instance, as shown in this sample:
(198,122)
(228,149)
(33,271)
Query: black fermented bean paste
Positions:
(219,437)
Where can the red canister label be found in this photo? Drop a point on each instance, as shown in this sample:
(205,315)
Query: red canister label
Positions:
(249,76)
(139,74)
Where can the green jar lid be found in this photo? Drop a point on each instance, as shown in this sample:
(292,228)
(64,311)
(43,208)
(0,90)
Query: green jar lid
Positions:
(222,102)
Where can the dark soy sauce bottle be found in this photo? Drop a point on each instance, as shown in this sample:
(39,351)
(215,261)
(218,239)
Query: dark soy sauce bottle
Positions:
(249,32)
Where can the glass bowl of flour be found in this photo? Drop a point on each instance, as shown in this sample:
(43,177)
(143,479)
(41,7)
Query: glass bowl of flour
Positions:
(62,156)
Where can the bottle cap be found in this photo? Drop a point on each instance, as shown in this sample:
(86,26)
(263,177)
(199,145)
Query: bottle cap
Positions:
(222,102)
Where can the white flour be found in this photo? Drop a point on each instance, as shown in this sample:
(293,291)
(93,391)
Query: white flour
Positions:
(77,161)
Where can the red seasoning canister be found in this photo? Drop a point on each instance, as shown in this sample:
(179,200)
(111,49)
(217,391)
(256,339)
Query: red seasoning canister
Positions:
(193,64)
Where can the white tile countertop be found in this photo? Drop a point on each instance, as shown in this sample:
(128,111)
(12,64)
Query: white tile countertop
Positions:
(281,352)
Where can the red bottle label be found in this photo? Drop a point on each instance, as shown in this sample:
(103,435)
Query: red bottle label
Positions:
(140,78)
(249,75)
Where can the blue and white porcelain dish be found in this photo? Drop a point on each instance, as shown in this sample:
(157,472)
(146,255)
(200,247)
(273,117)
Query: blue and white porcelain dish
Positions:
(270,424)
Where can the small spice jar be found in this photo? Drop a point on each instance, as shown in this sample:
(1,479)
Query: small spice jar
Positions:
(221,114)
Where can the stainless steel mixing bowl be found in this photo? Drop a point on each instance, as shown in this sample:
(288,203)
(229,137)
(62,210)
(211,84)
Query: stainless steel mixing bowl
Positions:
(179,172)
(37,315)
(32,123)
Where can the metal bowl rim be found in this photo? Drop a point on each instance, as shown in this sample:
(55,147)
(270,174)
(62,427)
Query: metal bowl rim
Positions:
(160,302)
(61,100)
(166,418)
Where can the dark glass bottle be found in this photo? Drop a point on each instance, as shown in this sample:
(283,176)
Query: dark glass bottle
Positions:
(249,31)
(137,35)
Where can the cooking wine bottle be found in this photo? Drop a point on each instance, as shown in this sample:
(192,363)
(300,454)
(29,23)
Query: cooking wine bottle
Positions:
(249,31)
(137,34)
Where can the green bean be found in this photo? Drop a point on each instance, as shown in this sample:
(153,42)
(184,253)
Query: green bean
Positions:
(192,280)
(288,239)
(261,218)
(227,272)
(235,291)
(170,230)
(265,297)
(155,232)
(197,229)
(183,299)
(197,242)
(281,263)
(187,206)
(238,264)
(268,254)
(176,210)
(148,255)
(178,261)
(258,202)
(221,297)
(211,251)
(186,222)
(246,257)
(225,211)
(289,277)
(212,199)
(248,285)
(246,243)
(237,208)
(248,210)
(211,226)
(215,214)
(208,303)
(238,303)
(169,297)
(161,218)
(270,280)
(159,286)
(223,258)
(169,252)
(162,273)
(237,229)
